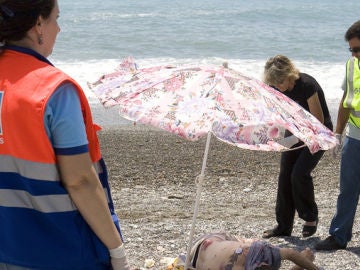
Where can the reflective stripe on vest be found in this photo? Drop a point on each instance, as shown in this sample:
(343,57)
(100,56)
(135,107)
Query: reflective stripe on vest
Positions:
(34,170)
(352,98)
(17,174)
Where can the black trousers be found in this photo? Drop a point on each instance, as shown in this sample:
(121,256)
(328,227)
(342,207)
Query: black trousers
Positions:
(296,188)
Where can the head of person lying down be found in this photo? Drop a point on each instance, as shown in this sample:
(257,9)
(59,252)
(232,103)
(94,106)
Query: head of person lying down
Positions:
(222,251)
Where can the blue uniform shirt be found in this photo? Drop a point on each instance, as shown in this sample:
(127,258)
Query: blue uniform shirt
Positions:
(64,121)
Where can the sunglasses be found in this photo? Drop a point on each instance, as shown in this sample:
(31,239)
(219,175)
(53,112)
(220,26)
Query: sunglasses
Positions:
(354,50)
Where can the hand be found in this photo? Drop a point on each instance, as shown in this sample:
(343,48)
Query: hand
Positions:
(118,258)
(337,148)
(120,263)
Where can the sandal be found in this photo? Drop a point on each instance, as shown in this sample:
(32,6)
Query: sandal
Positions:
(274,233)
(309,230)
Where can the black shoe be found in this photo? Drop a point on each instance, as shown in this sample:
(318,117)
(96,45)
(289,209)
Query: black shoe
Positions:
(329,244)
(274,233)
(309,230)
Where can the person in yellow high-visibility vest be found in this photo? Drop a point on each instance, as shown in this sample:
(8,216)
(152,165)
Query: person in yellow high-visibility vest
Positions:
(348,116)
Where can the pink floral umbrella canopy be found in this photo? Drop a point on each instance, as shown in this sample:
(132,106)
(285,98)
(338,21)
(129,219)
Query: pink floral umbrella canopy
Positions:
(194,101)
(191,101)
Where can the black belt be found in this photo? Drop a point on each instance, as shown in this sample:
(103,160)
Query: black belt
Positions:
(193,263)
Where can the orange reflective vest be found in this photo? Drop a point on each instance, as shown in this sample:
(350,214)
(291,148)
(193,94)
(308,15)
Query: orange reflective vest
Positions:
(24,99)
(41,228)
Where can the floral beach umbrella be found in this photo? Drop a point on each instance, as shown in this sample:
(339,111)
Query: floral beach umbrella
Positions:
(193,101)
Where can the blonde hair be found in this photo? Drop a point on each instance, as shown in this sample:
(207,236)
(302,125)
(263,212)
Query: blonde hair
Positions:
(279,68)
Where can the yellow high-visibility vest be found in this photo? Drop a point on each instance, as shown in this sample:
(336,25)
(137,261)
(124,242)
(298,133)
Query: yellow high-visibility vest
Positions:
(352,98)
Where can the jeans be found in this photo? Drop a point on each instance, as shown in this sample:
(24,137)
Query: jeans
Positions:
(343,220)
(4,266)
(296,188)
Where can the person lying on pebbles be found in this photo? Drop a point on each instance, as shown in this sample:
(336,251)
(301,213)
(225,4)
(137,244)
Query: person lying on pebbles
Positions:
(224,251)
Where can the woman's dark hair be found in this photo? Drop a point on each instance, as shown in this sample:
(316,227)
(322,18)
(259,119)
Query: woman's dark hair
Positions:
(19,16)
(353,31)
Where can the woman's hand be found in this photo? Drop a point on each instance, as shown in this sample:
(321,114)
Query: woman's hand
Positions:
(118,258)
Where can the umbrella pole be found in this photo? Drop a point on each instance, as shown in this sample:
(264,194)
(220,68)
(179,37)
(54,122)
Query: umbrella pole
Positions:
(200,180)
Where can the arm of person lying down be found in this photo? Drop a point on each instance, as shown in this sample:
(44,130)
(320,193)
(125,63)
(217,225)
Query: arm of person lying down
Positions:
(302,260)
(81,181)
(246,241)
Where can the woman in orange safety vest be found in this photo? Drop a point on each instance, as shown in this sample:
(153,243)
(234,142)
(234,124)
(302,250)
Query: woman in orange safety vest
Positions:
(54,213)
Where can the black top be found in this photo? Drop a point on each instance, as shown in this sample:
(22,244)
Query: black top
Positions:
(304,88)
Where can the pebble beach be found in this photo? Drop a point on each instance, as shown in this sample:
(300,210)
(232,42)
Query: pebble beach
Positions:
(152,174)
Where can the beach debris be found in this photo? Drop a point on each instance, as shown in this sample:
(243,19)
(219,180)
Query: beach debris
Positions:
(167,260)
(177,263)
(175,197)
(149,263)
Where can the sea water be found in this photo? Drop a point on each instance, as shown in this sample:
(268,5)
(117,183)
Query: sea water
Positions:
(96,35)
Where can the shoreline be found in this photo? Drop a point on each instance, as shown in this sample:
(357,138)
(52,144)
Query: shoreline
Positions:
(152,174)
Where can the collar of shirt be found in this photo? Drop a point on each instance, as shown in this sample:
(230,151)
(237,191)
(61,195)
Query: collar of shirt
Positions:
(27,51)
